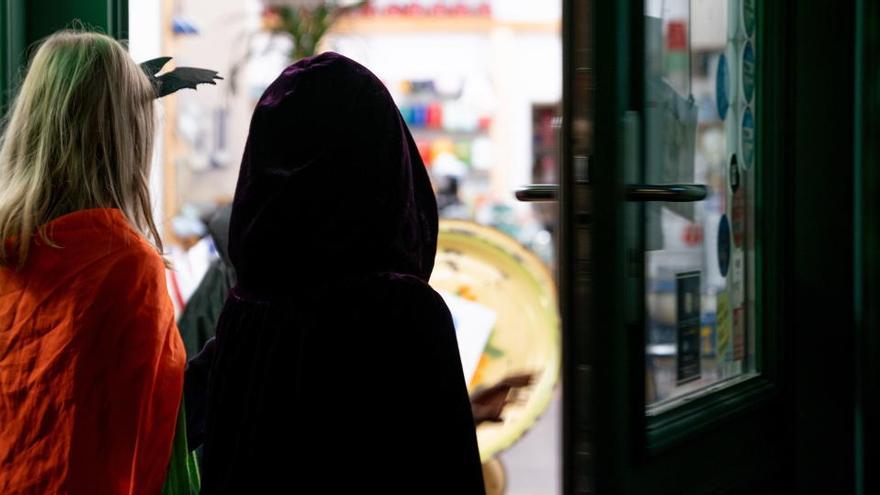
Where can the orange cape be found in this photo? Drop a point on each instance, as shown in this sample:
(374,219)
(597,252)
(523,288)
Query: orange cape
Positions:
(91,363)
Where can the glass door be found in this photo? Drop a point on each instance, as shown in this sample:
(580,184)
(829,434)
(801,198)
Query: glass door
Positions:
(668,273)
(699,132)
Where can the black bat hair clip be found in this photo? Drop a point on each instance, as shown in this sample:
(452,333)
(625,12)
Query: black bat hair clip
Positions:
(177,79)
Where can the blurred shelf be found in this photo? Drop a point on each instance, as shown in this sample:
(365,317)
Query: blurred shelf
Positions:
(397,24)
(428,132)
(706,47)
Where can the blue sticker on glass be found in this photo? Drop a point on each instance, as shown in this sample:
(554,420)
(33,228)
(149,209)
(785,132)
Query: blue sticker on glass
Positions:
(724,245)
(748,72)
(721,87)
(747,139)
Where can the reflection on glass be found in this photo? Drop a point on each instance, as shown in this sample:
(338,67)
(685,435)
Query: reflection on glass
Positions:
(699,128)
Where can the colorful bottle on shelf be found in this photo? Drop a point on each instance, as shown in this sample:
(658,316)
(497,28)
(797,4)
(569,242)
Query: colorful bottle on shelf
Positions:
(435,116)
(419,116)
(463,151)
(407,114)
(424,147)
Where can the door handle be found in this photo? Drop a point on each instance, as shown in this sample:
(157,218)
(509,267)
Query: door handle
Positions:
(538,193)
(671,193)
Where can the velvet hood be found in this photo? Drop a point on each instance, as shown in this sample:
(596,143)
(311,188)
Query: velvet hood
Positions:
(331,187)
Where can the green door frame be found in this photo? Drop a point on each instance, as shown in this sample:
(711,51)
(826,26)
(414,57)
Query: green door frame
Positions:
(12,47)
(819,278)
(24,22)
(867,245)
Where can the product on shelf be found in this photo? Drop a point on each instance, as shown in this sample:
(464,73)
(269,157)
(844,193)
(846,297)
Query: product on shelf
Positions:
(427,8)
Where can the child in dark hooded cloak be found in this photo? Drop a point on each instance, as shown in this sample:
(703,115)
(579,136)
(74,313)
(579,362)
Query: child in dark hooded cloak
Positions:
(336,368)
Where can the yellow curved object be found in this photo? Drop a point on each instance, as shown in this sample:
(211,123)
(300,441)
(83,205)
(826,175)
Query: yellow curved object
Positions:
(488,267)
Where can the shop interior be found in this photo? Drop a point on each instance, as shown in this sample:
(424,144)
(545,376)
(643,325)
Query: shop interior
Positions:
(479,84)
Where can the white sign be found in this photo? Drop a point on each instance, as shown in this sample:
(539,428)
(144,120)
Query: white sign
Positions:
(473,327)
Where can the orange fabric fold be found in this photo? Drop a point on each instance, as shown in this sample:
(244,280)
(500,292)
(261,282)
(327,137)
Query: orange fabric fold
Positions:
(91,363)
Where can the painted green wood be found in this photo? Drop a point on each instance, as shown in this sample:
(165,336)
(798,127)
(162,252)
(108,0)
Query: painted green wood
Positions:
(867,246)
(819,295)
(577,463)
(12,14)
(611,339)
(771,214)
(101,15)
(23,23)
(4,55)
(709,412)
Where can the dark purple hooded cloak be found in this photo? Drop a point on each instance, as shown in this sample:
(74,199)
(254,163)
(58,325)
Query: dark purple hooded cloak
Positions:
(336,368)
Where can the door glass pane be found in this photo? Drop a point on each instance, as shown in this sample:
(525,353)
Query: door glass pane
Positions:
(699,125)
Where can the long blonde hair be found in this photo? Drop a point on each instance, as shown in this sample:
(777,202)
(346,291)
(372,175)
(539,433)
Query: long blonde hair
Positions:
(79,135)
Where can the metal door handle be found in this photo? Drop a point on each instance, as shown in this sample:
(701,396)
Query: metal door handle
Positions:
(536,193)
(672,193)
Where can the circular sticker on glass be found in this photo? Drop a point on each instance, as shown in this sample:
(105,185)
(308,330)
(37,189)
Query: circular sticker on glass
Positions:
(748,72)
(747,139)
(724,245)
(734,176)
(748,17)
(722,83)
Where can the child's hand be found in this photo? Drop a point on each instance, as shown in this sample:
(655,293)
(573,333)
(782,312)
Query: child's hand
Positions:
(488,404)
